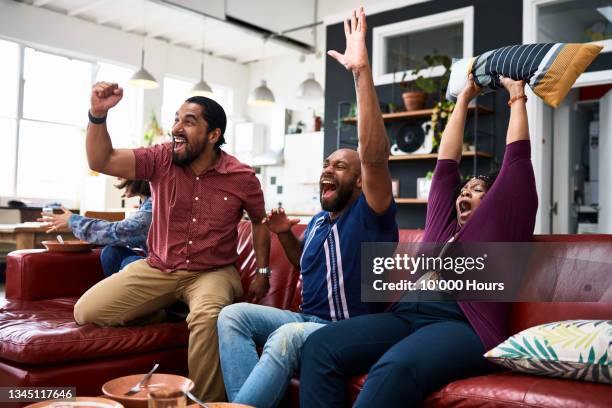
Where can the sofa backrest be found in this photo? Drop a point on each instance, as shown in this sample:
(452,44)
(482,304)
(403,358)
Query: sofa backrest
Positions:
(529,314)
(36,274)
(285,276)
(285,285)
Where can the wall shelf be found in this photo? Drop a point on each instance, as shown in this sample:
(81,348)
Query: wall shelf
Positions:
(415,114)
(399,200)
(432,156)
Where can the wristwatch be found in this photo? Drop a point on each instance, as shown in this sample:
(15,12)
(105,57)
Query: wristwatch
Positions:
(266,271)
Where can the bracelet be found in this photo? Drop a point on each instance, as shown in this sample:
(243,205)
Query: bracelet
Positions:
(516,98)
(95,119)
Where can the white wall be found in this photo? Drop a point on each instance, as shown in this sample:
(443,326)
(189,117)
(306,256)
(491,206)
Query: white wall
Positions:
(51,31)
(284,74)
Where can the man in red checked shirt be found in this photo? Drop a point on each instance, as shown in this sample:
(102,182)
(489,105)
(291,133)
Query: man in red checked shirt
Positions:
(200,193)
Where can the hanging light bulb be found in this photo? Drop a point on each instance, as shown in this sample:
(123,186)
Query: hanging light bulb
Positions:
(310,89)
(142,78)
(261,96)
(202,88)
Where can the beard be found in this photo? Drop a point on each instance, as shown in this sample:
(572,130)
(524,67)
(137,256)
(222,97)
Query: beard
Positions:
(189,154)
(343,196)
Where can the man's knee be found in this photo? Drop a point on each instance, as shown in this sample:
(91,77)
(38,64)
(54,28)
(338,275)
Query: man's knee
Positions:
(85,313)
(286,340)
(284,345)
(232,316)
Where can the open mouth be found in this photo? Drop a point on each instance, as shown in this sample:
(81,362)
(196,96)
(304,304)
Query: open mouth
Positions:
(179,143)
(328,189)
(464,208)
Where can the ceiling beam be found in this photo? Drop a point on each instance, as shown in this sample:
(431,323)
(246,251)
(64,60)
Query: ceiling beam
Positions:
(92,5)
(167,29)
(138,23)
(40,3)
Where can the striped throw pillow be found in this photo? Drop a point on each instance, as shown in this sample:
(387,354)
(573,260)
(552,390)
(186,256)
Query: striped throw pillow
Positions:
(550,69)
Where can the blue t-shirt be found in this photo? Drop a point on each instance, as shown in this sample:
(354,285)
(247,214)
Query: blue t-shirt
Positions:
(331,259)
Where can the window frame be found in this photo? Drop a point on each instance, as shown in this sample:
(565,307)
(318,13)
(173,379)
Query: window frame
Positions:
(22,46)
(463,15)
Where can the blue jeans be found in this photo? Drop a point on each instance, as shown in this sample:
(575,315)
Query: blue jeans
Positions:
(114,258)
(407,354)
(261,381)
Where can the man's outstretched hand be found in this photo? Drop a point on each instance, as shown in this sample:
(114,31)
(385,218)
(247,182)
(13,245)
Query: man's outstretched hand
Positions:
(278,222)
(104,95)
(355,56)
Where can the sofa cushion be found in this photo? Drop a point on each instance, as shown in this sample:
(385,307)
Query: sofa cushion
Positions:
(520,390)
(549,69)
(43,332)
(575,349)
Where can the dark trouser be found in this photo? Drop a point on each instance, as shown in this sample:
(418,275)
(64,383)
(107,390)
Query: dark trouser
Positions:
(114,258)
(407,354)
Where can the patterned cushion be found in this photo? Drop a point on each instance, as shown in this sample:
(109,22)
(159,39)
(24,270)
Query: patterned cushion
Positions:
(550,69)
(576,349)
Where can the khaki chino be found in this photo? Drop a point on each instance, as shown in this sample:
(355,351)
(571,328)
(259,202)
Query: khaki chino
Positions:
(140,291)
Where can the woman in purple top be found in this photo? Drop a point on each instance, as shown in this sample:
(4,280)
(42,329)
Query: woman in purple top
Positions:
(417,347)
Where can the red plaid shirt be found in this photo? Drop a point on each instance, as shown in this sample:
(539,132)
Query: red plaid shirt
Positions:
(195,216)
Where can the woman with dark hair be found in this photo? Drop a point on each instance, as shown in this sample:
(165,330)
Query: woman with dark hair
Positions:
(418,347)
(120,238)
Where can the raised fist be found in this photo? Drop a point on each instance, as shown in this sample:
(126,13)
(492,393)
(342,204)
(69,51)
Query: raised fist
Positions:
(104,95)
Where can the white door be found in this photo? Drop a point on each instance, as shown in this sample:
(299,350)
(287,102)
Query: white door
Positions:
(561,203)
(605,164)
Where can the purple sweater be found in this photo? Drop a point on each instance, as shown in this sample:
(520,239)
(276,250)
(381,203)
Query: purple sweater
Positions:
(507,214)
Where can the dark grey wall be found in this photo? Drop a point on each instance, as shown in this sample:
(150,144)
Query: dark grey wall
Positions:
(496,24)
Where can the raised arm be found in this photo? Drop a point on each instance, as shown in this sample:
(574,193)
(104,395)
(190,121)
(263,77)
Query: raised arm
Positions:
(101,155)
(451,144)
(373,141)
(518,127)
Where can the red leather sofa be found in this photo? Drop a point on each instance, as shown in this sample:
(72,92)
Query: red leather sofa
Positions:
(41,345)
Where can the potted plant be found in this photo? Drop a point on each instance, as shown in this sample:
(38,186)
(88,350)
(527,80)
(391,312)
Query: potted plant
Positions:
(416,90)
(154,130)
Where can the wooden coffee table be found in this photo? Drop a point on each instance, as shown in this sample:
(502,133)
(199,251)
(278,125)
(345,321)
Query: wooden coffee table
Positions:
(29,235)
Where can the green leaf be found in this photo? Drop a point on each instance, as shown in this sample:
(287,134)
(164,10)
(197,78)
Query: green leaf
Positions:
(527,345)
(604,358)
(541,348)
(518,347)
(591,355)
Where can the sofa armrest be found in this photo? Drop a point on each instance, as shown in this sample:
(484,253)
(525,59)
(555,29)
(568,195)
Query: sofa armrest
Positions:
(34,274)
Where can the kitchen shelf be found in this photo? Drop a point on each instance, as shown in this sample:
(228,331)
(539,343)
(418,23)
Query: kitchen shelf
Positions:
(429,156)
(415,114)
(410,201)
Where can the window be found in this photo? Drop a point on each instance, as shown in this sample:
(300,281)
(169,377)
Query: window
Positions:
(122,120)
(51,159)
(175,93)
(404,50)
(9,83)
(42,126)
(399,47)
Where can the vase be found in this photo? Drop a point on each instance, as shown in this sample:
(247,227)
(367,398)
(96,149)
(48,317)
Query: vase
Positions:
(414,100)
